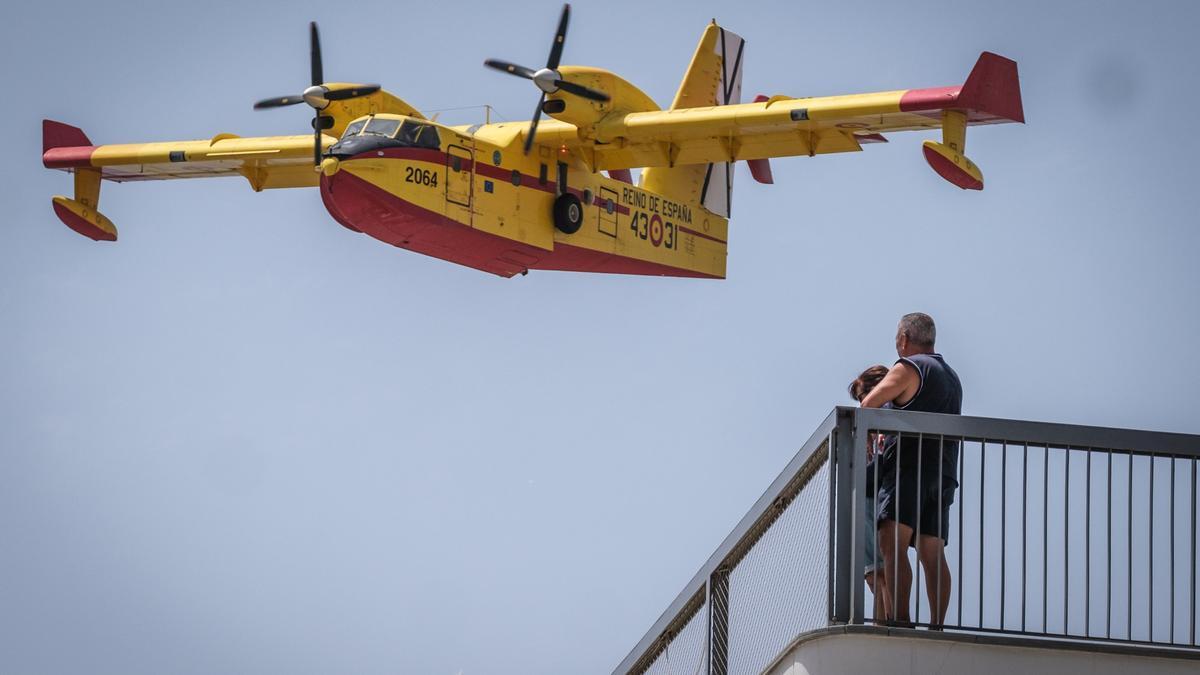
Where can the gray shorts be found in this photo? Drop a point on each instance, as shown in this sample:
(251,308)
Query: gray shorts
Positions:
(871,537)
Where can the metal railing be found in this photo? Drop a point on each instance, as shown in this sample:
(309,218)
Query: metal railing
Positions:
(1061,531)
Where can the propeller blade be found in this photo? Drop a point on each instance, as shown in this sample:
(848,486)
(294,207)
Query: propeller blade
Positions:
(278,102)
(351,92)
(318,75)
(560,36)
(510,68)
(537,115)
(580,90)
(317,140)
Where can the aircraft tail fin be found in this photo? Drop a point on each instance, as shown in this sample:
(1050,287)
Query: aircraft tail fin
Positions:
(714,77)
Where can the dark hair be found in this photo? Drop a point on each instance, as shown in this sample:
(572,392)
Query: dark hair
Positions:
(865,382)
(919,329)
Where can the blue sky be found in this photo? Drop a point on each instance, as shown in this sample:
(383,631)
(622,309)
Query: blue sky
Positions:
(246,439)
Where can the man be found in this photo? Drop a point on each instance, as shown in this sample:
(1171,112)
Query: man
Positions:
(916,491)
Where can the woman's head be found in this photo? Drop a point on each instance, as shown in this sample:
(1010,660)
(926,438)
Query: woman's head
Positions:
(868,380)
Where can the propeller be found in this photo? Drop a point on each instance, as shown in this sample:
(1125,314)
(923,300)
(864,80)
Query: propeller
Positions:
(318,95)
(548,79)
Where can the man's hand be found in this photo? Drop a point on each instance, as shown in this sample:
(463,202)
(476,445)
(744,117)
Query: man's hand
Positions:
(898,387)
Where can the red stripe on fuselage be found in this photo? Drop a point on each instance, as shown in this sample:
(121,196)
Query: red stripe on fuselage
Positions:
(362,206)
(701,235)
(568,258)
(486,170)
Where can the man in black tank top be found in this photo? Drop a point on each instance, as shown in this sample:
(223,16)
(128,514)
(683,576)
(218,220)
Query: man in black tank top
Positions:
(917,485)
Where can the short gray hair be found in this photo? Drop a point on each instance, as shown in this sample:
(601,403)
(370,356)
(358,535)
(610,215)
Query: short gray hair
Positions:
(918,328)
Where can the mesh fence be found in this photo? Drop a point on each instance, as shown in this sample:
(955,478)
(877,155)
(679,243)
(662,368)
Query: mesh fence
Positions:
(773,586)
(780,588)
(687,652)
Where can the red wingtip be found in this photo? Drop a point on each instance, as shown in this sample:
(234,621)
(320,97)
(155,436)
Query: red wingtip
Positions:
(59,135)
(993,87)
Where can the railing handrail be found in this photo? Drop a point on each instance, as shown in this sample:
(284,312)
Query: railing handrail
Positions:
(1037,433)
(855,422)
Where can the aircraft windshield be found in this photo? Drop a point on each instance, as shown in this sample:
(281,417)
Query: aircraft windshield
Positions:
(418,135)
(404,133)
(380,126)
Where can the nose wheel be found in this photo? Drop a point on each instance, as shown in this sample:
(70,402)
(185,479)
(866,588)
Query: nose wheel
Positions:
(568,213)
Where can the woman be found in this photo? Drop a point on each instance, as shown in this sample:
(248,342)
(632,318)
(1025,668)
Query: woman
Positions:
(872,561)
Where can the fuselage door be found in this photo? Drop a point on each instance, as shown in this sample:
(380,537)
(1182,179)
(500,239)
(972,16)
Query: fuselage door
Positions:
(459,170)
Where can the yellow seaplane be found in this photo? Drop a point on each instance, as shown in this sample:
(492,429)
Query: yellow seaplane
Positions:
(557,194)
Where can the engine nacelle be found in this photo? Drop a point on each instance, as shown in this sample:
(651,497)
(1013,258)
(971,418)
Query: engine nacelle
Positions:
(583,113)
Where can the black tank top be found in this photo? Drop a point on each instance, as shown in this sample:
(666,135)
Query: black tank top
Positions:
(940,391)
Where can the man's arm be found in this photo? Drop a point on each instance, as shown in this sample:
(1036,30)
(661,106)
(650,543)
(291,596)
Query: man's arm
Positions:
(900,384)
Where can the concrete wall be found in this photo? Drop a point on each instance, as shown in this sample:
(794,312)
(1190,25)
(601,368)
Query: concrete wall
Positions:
(876,651)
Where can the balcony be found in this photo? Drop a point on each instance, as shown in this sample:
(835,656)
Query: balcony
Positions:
(1070,548)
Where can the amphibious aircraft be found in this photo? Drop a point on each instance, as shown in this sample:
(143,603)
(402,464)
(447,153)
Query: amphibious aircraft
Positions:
(506,198)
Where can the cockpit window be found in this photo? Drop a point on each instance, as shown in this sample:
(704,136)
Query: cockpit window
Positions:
(418,135)
(354,128)
(381,126)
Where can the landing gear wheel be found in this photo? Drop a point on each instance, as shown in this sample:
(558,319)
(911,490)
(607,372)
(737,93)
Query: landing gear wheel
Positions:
(568,213)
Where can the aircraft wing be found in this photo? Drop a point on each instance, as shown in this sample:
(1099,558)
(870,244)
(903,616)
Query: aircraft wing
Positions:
(781,126)
(266,162)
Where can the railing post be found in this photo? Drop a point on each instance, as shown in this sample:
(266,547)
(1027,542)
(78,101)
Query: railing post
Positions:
(718,622)
(858,514)
(847,597)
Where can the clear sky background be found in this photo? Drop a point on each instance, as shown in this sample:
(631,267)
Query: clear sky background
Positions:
(245,439)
